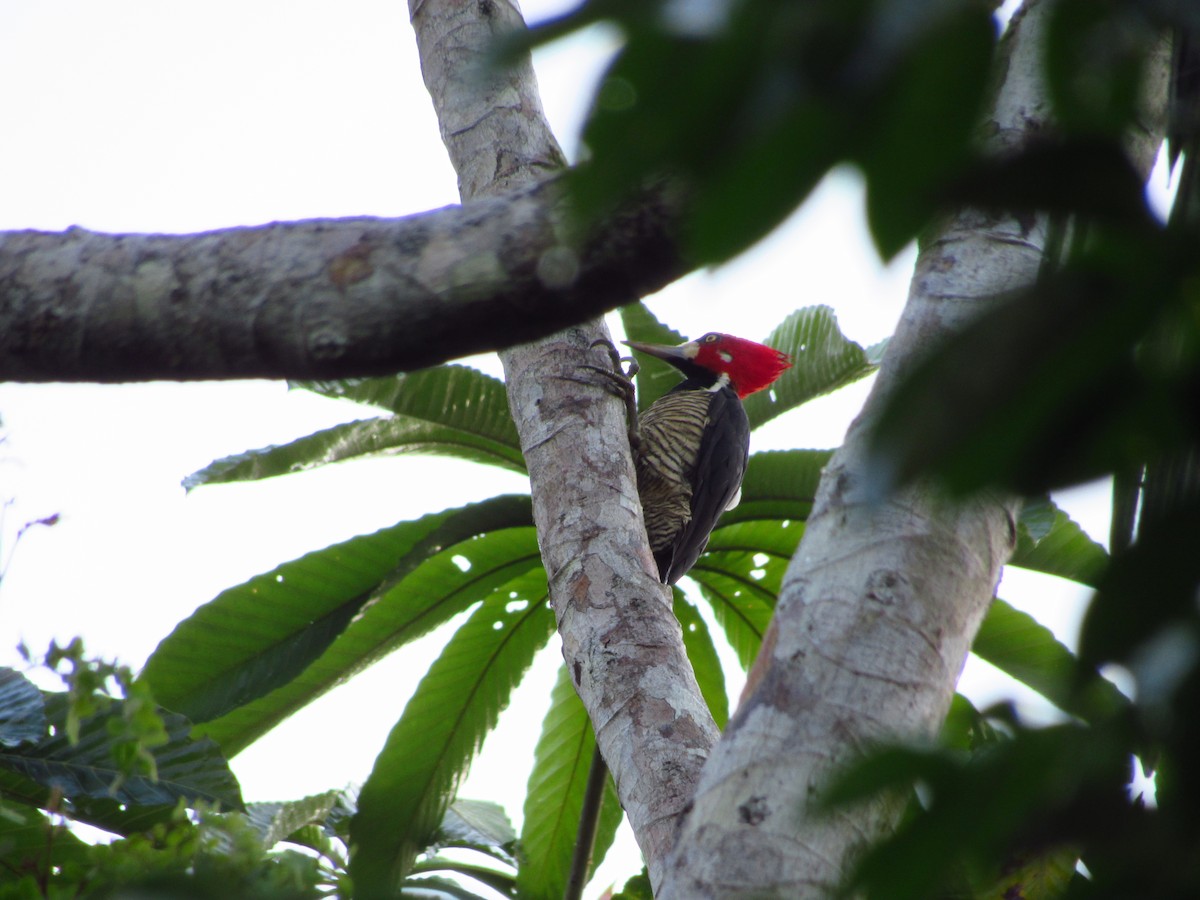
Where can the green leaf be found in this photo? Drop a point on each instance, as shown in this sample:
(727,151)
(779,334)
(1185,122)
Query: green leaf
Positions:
(405,798)
(702,654)
(740,572)
(965,727)
(1053,783)
(1145,609)
(258,637)
(441,587)
(779,485)
(729,109)
(22,714)
(740,575)
(97,789)
(1077,402)
(1049,541)
(636,888)
(276,822)
(554,799)
(447,410)
(1095,62)
(928,110)
(477,824)
(434,888)
(823,360)
(1082,176)
(1033,876)
(1014,642)
(766,176)
(501,882)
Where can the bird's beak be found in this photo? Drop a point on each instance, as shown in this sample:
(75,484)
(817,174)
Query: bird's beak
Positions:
(668,352)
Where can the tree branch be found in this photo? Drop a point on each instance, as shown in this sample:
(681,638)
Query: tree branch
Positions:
(320,299)
(882,600)
(621,642)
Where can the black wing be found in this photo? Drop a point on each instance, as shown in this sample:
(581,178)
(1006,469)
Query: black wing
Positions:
(720,467)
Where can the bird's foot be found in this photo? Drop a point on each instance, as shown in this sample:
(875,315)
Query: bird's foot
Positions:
(619,379)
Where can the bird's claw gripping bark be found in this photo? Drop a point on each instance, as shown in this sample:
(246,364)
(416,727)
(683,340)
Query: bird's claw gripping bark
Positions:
(619,379)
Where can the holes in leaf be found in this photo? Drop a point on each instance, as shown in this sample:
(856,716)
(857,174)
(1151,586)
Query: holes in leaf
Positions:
(514,606)
(464,564)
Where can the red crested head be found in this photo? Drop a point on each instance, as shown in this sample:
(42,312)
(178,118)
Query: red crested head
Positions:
(748,366)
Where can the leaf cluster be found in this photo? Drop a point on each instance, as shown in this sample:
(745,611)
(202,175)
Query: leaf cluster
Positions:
(746,105)
(263,649)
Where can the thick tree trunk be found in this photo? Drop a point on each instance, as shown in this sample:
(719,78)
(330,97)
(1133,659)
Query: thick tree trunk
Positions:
(883,598)
(621,642)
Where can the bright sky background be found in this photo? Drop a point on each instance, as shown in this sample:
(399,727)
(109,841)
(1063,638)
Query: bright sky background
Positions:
(151,116)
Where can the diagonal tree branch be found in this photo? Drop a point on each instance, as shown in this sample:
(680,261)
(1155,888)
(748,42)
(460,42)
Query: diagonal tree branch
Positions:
(621,642)
(883,597)
(320,299)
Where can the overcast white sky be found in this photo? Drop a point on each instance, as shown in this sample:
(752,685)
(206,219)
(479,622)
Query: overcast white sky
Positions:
(151,116)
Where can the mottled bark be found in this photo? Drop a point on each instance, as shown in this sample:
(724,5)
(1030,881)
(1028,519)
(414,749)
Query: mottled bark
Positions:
(883,598)
(319,299)
(621,642)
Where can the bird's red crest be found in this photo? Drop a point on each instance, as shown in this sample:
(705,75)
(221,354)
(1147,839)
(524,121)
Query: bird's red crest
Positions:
(751,366)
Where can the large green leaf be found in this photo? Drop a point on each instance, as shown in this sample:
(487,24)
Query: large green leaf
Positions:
(442,586)
(554,799)
(447,410)
(739,205)
(927,116)
(278,821)
(741,571)
(702,654)
(96,789)
(1049,541)
(740,576)
(258,636)
(1144,613)
(403,802)
(1059,783)
(1079,401)
(477,825)
(1016,643)
(779,485)
(22,714)
(823,360)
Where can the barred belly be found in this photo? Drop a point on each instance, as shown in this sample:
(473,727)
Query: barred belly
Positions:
(670,431)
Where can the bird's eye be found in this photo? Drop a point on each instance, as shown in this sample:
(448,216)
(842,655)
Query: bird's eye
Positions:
(711,338)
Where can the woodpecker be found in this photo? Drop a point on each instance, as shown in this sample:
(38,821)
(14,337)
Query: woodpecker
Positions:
(692,445)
